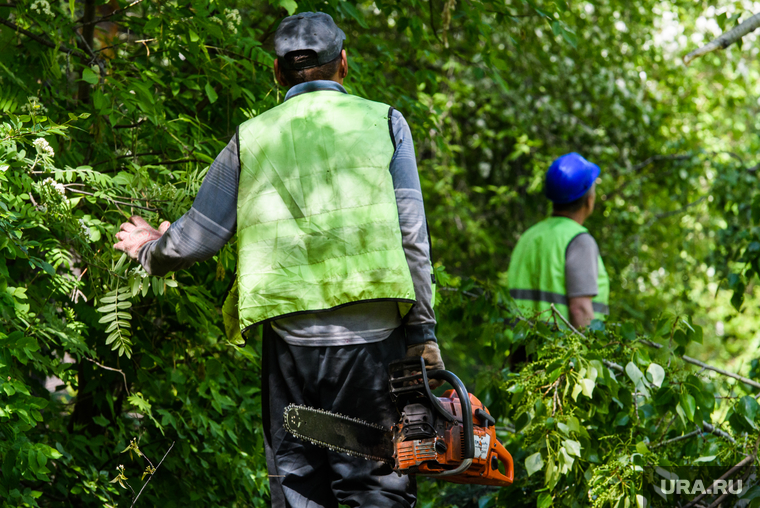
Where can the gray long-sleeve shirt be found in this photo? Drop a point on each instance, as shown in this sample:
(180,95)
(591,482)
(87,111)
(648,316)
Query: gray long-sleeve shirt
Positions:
(211,222)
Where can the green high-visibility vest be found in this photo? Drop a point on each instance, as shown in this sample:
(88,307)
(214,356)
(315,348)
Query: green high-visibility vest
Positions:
(317,220)
(537,269)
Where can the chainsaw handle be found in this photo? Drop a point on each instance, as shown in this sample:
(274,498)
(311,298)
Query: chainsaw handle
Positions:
(466,407)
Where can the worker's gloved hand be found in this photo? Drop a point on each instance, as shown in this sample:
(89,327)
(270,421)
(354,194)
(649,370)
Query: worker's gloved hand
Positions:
(136,233)
(432,355)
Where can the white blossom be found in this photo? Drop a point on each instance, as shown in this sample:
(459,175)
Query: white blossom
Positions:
(43,148)
(85,228)
(233,19)
(41,7)
(56,187)
(33,107)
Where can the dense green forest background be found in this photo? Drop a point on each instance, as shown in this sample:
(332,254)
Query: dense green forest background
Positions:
(133,100)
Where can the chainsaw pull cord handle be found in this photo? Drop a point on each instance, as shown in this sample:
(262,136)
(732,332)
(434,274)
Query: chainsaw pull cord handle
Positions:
(468,453)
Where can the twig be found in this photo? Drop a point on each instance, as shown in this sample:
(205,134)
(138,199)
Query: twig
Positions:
(169,163)
(130,126)
(432,21)
(715,430)
(44,42)
(706,427)
(564,319)
(694,361)
(111,200)
(642,165)
(151,475)
(674,212)
(126,157)
(611,365)
(726,39)
(107,16)
(131,198)
(112,369)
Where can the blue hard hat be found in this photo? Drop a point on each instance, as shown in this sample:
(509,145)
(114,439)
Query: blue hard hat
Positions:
(569,178)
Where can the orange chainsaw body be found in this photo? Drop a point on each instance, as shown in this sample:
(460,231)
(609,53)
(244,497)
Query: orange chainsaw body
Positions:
(431,456)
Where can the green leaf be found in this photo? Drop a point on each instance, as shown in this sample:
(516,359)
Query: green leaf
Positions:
(350,10)
(656,374)
(689,405)
(211,93)
(108,318)
(748,408)
(89,76)
(534,463)
(544,500)
(570,37)
(289,5)
(637,377)
(708,458)
(573,447)
(101,420)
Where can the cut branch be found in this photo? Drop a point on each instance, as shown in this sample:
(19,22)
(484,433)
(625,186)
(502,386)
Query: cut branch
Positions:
(42,40)
(694,361)
(726,39)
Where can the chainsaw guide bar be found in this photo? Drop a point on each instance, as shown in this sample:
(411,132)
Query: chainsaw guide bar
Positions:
(340,433)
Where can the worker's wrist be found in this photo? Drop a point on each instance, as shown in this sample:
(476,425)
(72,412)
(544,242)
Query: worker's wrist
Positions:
(419,334)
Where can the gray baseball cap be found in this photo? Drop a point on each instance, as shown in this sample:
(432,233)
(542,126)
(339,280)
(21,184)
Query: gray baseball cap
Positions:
(306,32)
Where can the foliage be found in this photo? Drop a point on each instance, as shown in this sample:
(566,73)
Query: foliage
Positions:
(95,352)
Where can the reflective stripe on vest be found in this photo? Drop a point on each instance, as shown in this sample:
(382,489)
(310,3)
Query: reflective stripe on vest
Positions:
(317,220)
(536,272)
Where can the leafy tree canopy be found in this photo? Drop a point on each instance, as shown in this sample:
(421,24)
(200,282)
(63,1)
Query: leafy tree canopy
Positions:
(113,108)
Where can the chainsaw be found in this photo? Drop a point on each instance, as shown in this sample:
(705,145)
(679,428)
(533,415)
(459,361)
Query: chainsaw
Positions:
(452,437)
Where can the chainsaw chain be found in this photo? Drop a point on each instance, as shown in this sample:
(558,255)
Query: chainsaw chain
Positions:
(330,446)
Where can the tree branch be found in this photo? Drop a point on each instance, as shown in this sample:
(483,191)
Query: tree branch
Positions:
(111,200)
(729,473)
(694,361)
(642,165)
(108,16)
(43,41)
(685,358)
(665,215)
(726,39)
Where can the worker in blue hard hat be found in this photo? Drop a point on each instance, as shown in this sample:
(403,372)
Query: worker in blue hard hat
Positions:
(557,261)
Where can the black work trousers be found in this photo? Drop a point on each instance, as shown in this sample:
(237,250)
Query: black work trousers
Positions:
(350,380)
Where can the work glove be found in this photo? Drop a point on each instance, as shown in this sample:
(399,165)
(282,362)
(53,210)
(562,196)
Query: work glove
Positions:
(432,355)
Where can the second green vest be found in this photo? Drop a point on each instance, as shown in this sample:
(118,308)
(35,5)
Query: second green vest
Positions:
(317,220)
(537,269)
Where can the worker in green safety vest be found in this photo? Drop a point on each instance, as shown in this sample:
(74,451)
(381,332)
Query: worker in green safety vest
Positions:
(323,194)
(557,261)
